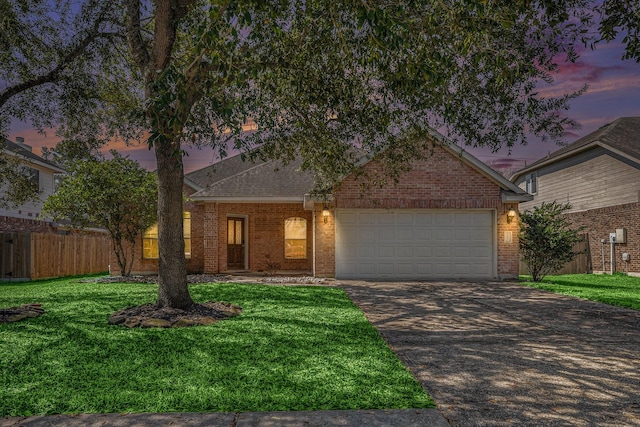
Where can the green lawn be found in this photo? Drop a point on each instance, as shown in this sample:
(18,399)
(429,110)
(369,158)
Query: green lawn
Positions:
(619,290)
(292,348)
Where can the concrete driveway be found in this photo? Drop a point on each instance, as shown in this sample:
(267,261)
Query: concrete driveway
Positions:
(502,354)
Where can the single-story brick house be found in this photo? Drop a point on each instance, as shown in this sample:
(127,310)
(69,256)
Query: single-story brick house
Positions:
(599,175)
(447,218)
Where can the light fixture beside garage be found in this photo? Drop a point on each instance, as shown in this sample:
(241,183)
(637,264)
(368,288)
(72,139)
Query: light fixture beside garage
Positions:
(325,213)
(511,214)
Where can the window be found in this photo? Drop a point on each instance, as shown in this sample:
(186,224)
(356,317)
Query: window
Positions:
(295,238)
(150,239)
(531,183)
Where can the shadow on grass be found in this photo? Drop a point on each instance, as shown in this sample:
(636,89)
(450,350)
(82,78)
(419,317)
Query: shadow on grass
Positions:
(292,348)
(618,290)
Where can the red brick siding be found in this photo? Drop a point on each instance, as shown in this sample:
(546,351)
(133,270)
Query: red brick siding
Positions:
(265,226)
(18,225)
(325,237)
(442,181)
(599,223)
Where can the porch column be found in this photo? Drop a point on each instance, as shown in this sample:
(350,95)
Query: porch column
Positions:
(211,265)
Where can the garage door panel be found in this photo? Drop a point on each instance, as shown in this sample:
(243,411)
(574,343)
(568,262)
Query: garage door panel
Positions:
(405,218)
(386,235)
(414,244)
(404,234)
(385,252)
(405,252)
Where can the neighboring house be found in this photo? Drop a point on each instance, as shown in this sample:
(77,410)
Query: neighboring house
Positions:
(447,218)
(45,173)
(599,175)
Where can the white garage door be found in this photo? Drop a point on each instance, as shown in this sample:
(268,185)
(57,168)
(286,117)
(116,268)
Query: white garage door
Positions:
(415,244)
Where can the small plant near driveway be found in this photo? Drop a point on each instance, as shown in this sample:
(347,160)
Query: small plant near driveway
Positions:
(546,239)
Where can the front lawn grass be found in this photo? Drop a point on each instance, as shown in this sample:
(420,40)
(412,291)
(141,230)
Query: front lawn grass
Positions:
(292,348)
(619,290)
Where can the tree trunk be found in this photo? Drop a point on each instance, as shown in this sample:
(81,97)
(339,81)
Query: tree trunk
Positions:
(172,270)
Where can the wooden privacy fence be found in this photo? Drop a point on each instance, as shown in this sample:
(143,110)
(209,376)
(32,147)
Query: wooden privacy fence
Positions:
(580,264)
(40,256)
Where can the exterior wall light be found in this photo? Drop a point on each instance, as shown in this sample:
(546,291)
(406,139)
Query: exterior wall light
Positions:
(325,213)
(510,215)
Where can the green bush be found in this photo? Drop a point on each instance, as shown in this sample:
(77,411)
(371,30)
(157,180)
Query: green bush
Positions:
(546,239)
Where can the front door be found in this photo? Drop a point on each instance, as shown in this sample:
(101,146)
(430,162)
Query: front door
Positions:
(235,243)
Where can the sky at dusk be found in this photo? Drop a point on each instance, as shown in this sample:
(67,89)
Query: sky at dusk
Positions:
(614,91)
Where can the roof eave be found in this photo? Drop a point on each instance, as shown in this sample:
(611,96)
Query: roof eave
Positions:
(479,165)
(35,161)
(511,197)
(260,199)
(191,184)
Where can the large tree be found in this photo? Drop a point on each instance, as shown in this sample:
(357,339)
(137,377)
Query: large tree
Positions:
(622,16)
(318,78)
(116,194)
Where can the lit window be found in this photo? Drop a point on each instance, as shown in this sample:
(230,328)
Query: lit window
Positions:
(295,238)
(150,239)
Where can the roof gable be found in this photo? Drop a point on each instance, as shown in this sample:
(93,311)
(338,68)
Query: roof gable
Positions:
(16,149)
(621,136)
(239,179)
(235,178)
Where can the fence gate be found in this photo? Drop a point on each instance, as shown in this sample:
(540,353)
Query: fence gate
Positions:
(15,256)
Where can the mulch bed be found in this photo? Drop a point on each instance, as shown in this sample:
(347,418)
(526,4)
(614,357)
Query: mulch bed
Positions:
(150,316)
(25,311)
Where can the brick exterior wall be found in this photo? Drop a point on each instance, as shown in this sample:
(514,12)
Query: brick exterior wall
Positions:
(17,225)
(324,245)
(441,181)
(264,228)
(598,223)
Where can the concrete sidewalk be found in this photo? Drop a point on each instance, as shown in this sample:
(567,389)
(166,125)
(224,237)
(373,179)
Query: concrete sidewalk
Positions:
(501,354)
(408,418)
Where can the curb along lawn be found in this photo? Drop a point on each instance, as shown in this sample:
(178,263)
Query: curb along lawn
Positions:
(292,348)
(619,290)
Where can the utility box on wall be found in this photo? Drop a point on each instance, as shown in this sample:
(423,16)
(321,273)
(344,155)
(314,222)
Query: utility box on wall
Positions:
(621,235)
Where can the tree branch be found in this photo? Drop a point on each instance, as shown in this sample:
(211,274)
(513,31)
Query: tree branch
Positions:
(137,45)
(53,74)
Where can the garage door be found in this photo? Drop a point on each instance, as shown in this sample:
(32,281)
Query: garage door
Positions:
(414,244)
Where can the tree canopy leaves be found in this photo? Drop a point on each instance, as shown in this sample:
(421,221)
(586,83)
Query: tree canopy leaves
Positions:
(318,78)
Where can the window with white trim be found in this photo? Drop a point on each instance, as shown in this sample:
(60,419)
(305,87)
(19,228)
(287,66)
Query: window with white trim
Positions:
(295,238)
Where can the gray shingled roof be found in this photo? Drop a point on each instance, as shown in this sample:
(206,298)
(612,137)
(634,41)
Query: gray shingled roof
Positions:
(235,178)
(18,149)
(622,135)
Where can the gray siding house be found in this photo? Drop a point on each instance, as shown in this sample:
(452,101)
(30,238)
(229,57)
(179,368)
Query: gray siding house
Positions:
(599,175)
(26,216)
